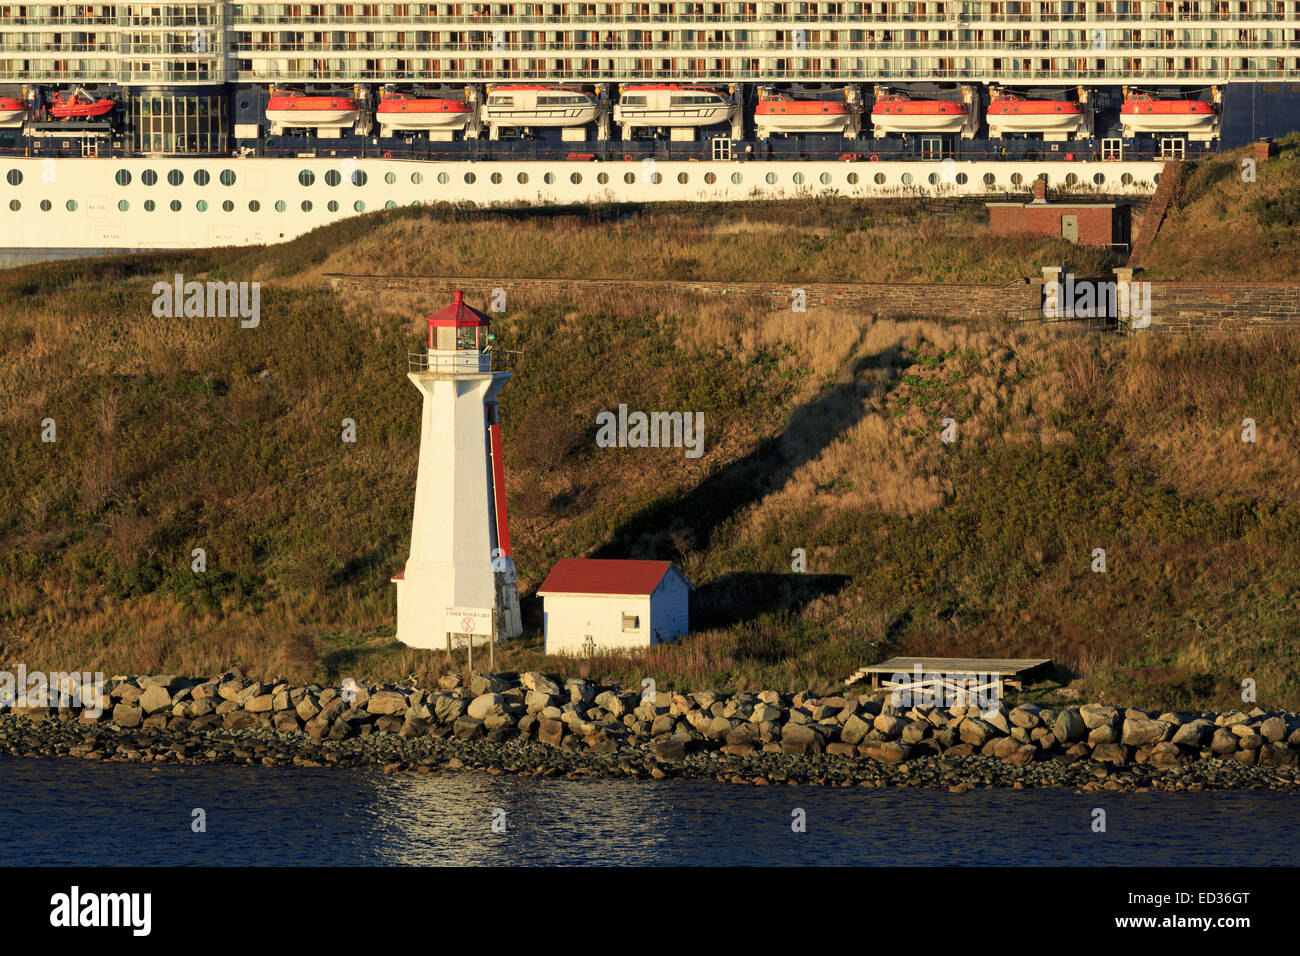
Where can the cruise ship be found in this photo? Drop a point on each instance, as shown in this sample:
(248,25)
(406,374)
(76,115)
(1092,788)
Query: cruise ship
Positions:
(153,126)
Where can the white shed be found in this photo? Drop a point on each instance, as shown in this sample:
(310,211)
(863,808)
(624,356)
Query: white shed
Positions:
(600,605)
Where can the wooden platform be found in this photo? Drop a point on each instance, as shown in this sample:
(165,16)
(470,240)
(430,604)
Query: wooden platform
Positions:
(1010,671)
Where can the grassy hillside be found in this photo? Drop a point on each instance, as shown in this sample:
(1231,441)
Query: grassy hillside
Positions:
(822,433)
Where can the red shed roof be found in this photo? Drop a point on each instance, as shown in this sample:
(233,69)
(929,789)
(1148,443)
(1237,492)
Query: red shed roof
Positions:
(604,576)
(459,314)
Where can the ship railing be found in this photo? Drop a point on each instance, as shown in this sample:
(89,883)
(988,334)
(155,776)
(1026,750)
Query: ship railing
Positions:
(463,362)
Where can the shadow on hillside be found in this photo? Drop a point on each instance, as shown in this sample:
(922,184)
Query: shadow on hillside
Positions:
(745,595)
(674,529)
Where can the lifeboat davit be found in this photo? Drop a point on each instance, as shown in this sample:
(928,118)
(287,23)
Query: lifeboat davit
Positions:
(80,105)
(778,113)
(532,107)
(12,111)
(895,113)
(1143,113)
(669,105)
(1009,113)
(403,112)
(294,110)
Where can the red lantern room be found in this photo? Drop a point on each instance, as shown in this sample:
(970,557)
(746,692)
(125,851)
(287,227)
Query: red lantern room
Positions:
(458,328)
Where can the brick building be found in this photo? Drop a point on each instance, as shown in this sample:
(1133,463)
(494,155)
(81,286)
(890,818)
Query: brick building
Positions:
(1080,222)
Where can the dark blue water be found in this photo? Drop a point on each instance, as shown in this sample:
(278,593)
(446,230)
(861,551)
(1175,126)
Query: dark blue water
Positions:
(94,814)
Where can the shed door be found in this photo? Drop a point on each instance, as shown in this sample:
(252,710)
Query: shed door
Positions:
(1070,228)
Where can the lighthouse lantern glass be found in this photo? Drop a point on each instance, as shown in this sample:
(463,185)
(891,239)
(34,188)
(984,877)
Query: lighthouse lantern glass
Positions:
(467,337)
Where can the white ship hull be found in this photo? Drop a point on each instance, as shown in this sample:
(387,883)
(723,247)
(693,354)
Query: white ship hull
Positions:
(267,201)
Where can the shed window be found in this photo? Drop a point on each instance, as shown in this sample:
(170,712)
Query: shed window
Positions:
(631,622)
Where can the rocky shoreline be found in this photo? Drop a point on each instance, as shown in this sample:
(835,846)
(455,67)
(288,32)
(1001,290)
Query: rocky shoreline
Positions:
(532,724)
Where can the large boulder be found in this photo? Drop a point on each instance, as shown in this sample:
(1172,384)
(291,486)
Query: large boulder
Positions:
(468,728)
(156,698)
(1026,716)
(550,732)
(261,704)
(889,725)
(387,702)
(669,750)
(801,739)
(540,683)
(127,715)
(1069,727)
(484,705)
(1194,733)
(1273,729)
(1143,731)
(976,731)
(855,730)
(1095,715)
(481,682)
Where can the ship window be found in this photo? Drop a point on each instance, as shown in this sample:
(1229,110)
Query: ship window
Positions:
(358,177)
(443,179)
(932,179)
(359,206)
(227,206)
(469,178)
(306,205)
(825,179)
(254,205)
(522,178)
(1127,179)
(280,205)
(710,178)
(71,205)
(633,101)
(122,177)
(548,178)
(306,177)
(390,204)
(14,205)
(332,205)
(46,205)
(175,177)
(853,179)
(798,179)
(496,179)
(961,179)
(227,177)
(576,178)
(737,178)
(683,178)
(148,177)
(1071,179)
(906,179)
(771,178)
(150,205)
(417,178)
(656,178)
(390,178)
(1099,178)
(1017,179)
(201,177)
(602,178)
(1156,179)
(332,177)
(175,205)
(14,177)
(201,205)
(989,179)
(880,179)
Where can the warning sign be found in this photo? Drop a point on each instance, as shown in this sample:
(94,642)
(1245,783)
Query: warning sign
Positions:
(468,620)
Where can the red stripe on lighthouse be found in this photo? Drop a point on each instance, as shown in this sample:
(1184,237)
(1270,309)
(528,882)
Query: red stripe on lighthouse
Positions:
(499,490)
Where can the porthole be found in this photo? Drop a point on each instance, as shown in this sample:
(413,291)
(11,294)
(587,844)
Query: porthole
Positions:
(710,178)
(175,177)
(771,179)
(656,178)
(825,179)
(201,205)
(522,179)
(175,205)
(122,177)
(737,179)
(853,179)
(150,205)
(227,177)
(280,205)
(417,178)
(1071,179)
(880,179)
(932,179)
(1099,178)
(390,204)
(1127,179)
(443,179)
(358,177)
(961,179)
(332,205)
(575,178)
(306,177)
(359,206)
(1156,179)
(227,205)
(306,205)
(70,205)
(416,202)
(496,179)
(46,205)
(548,178)
(201,177)
(148,177)
(798,179)
(602,178)
(254,205)
(14,177)
(390,178)
(469,179)
(1017,179)
(683,178)
(333,177)
(989,179)
(629,178)
(14,205)
(906,179)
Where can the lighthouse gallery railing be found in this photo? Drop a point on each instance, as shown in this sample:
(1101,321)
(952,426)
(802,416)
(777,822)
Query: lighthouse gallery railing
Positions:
(459,363)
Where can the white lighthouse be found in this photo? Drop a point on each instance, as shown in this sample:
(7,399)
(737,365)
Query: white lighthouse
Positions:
(459,579)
